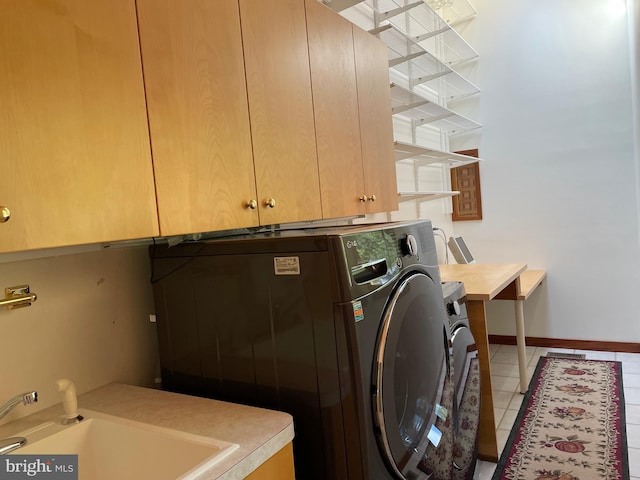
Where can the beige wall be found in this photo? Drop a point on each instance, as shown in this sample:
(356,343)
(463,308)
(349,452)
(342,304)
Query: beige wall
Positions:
(90,324)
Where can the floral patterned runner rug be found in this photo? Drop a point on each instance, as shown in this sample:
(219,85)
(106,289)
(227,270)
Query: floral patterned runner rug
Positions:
(571,425)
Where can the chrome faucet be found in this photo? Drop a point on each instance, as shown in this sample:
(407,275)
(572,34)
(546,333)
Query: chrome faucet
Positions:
(26,398)
(9,444)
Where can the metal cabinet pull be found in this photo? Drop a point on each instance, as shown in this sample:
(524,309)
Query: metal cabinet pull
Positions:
(271,203)
(5,214)
(372,198)
(252,204)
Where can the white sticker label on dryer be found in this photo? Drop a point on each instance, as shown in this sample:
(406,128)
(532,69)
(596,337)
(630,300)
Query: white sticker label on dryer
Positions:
(441,411)
(286,265)
(434,436)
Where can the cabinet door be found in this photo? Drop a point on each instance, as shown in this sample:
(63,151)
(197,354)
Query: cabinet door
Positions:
(76,165)
(279,466)
(376,129)
(198,114)
(335,104)
(281,110)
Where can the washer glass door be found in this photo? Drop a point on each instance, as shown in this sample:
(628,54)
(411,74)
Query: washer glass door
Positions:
(467,394)
(412,387)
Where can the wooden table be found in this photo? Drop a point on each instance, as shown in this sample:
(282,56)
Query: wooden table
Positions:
(520,291)
(483,282)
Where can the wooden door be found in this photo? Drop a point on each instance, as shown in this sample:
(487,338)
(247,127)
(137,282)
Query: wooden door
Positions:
(466,180)
(335,103)
(281,109)
(376,129)
(198,114)
(76,165)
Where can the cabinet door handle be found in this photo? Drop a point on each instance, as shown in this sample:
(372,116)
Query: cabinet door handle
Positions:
(252,204)
(363,198)
(372,198)
(271,203)
(5,214)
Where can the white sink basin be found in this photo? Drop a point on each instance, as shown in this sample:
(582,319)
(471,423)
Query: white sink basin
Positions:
(111,447)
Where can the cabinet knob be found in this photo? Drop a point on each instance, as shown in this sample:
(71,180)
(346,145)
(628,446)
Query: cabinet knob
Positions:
(271,203)
(252,204)
(5,214)
(372,198)
(363,198)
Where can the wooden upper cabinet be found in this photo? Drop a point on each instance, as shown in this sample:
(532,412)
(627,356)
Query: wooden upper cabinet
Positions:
(376,129)
(281,109)
(198,114)
(335,101)
(76,164)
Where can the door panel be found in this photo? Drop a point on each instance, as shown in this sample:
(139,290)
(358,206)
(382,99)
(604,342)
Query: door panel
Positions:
(374,103)
(335,107)
(467,388)
(281,109)
(75,144)
(198,114)
(413,392)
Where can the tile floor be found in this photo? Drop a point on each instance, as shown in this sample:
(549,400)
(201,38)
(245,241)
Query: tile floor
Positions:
(507,399)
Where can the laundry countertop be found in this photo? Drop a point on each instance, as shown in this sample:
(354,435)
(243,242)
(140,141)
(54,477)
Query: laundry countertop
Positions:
(259,433)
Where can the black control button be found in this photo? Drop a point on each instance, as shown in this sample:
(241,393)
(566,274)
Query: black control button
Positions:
(453,308)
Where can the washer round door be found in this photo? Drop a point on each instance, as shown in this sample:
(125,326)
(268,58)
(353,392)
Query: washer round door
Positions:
(412,385)
(467,393)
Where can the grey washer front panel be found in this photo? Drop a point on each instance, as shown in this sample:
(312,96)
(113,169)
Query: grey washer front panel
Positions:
(292,321)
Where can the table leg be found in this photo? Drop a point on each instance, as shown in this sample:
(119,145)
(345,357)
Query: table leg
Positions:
(487,443)
(522,347)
